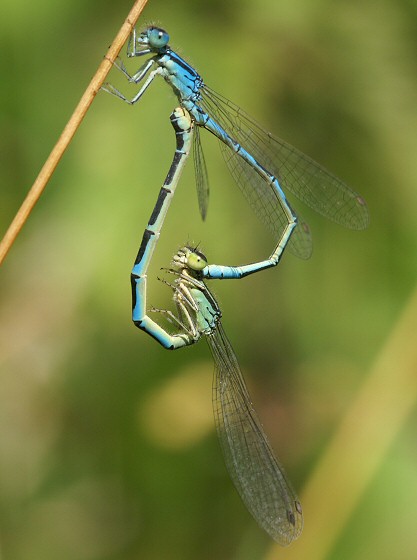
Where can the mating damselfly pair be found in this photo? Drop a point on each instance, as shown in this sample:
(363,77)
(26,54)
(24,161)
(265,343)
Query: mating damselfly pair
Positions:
(263,167)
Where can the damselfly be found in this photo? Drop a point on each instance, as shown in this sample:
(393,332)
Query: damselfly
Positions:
(262,165)
(256,473)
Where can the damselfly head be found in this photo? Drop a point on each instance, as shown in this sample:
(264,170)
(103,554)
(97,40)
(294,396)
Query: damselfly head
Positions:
(154,37)
(196,260)
(191,258)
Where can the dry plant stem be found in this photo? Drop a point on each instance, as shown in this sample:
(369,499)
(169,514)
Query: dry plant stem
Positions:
(356,451)
(71,127)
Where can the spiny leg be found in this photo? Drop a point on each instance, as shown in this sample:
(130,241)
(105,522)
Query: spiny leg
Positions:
(109,88)
(188,325)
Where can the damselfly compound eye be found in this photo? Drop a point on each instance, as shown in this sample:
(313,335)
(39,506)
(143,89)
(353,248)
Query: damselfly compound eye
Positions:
(158,38)
(196,260)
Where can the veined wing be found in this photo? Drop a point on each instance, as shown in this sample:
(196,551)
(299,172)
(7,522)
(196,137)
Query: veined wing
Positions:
(267,204)
(256,473)
(200,174)
(296,172)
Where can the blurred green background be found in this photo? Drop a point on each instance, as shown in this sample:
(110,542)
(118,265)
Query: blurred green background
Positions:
(107,445)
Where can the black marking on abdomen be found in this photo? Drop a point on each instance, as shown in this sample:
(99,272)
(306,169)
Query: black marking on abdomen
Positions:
(163,193)
(177,158)
(133,279)
(145,240)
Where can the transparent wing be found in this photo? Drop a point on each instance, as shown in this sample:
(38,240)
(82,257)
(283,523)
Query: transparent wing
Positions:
(256,473)
(266,203)
(201,174)
(296,172)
